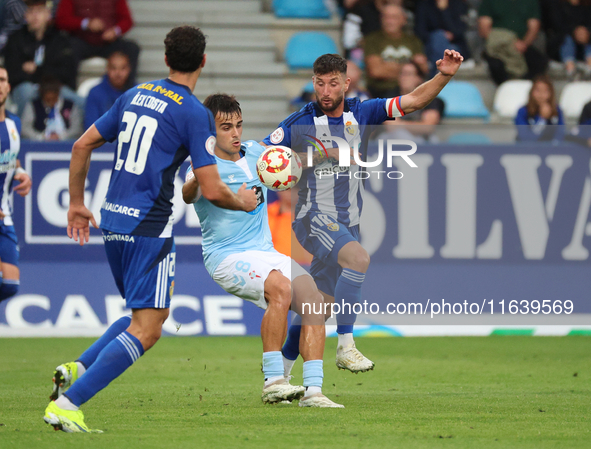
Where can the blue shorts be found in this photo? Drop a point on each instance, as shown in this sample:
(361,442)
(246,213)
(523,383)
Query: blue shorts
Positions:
(323,237)
(8,245)
(143,268)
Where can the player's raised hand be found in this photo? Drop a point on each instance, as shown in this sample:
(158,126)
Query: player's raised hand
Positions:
(78,223)
(25,184)
(248,197)
(451,62)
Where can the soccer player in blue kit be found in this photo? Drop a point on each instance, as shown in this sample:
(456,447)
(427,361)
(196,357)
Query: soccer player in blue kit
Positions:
(157,126)
(239,255)
(10,169)
(326,220)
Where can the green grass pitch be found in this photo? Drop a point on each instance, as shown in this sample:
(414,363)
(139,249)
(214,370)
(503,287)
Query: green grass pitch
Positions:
(497,392)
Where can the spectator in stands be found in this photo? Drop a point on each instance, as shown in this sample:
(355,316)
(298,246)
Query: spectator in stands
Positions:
(362,17)
(567,26)
(441,25)
(39,50)
(582,132)
(51,117)
(103,96)
(510,28)
(418,126)
(13,19)
(97,27)
(280,217)
(386,50)
(534,121)
(354,73)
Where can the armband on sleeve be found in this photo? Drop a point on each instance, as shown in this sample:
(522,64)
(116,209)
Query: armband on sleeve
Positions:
(393,107)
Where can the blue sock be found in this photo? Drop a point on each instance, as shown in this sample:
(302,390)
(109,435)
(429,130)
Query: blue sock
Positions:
(90,355)
(291,347)
(313,373)
(348,291)
(8,288)
(117,356)
(272,364)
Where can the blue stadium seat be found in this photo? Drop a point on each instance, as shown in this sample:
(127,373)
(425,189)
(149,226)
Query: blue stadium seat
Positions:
(303,48)
(301,9)
(469,139)
(463,100)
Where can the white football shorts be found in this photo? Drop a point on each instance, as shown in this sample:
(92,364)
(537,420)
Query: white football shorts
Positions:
(244,274)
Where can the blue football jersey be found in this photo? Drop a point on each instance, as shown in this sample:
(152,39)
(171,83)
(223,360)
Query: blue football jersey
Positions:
(157,125)
(321,190)
(226,231)
(10,144)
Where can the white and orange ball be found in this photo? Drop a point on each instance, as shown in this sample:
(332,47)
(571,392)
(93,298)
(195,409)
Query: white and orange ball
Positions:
(279,168)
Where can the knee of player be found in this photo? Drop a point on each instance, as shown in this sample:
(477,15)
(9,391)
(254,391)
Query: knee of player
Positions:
(151,338)
(9,288)
(282,293)
(359,261)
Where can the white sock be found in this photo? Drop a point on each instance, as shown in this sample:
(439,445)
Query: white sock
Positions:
(287,366)
(313,390)
(81,368)
(346,340)
(270,380)
(64,403)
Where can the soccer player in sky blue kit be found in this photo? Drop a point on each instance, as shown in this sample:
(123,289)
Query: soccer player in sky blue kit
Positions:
(326,220)
(10,169)
(157,126)
(239,255)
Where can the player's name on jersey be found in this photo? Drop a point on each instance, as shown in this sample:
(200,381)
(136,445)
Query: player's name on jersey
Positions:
(147,101)
(119,209)
(162,90)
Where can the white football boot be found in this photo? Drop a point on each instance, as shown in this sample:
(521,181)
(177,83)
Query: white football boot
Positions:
(281,391)
(350,358)
(318,400)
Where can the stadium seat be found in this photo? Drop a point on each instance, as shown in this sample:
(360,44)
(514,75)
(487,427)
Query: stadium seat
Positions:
(301,9)
(303,48)
(86,85)
(463,100)
(469,139)
(510,96)
(574,97)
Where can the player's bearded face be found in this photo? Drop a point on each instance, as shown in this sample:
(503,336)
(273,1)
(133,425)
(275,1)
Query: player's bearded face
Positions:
(330,90)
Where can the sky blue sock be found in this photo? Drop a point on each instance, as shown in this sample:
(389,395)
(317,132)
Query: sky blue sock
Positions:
(272,364)
(313,373)
(348,291)
(110,364)
(291,347)
(90,355)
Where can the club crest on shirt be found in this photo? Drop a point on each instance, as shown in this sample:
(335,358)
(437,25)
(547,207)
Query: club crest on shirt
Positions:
(333,227)
(350,128)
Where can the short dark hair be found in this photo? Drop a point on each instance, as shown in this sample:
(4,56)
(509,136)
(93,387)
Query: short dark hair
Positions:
(184,48)
(49,84)
(330,63)
(223,104)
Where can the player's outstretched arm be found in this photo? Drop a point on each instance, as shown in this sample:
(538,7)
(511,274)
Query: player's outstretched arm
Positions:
(78,215)
(214,190)
(426,92)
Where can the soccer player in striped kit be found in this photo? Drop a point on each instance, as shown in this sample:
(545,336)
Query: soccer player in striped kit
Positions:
(10,171)
(329,207)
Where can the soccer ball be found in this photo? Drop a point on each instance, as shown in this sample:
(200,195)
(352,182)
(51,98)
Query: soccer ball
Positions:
(279,168)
